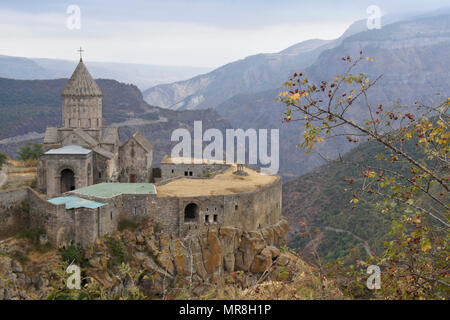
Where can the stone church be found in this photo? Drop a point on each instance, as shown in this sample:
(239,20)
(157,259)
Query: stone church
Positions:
(83,152)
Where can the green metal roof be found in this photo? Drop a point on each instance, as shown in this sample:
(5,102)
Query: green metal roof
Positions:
(110,190)
(72,202)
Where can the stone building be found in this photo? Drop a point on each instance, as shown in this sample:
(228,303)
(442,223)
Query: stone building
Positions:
(93,183)
(82,151)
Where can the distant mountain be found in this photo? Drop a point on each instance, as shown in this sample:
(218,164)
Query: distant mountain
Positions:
(27,107)
(142,75)
(413,56)
(252,74)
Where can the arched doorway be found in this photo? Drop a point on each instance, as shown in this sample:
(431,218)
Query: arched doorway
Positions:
(67,180)
(190,212)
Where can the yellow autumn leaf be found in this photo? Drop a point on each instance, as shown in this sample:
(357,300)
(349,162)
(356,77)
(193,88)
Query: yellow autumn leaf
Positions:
(426,246)
(295,96)
(372,174)
(369,59)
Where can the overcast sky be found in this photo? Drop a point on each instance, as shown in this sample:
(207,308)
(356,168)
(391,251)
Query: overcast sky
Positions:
(179,32)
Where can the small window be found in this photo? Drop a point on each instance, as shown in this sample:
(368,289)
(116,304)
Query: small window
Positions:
(190,173)
(235,207)
(134,210)
(111,215)
(172,170)
(79,123)
(207,209)
(99,174)
(215,218)
(206,218)
(186,173)
(89,123)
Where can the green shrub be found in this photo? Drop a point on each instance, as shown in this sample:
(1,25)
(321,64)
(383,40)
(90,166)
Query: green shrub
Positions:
(73,254)
(19,256)
(3,160)
(117,250)
(127,224)
(32,235)
(30,151)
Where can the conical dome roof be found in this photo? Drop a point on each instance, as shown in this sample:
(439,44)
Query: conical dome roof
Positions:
(81,83)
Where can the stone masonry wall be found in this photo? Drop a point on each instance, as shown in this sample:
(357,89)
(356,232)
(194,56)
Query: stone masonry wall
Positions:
(13,212)
(170,170)
(246,211)
(134,161)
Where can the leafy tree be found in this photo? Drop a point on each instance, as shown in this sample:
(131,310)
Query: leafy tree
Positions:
(409,187)
(31,151)
(3,160)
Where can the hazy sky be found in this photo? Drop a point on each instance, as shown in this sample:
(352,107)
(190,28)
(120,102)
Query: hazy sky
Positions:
(179,32)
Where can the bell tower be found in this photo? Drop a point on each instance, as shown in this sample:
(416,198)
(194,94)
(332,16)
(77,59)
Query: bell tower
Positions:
(81,100)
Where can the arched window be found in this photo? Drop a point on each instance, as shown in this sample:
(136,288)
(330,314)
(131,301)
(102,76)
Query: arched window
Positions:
(191,212)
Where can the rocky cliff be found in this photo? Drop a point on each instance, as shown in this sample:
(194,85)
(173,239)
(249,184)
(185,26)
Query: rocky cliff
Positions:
(144,260)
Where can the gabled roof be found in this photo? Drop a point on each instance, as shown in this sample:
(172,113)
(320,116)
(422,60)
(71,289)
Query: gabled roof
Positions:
(86,137)
(71,149)
(81,83)
(104,152)
(139,137)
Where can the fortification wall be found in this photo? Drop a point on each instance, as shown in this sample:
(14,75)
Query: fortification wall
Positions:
(23,209)
(247,211)
(170,170)
(44,215)
(13,212)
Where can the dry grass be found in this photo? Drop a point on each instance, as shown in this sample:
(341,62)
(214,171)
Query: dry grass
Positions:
(20,174)
(295,281)
(221,184)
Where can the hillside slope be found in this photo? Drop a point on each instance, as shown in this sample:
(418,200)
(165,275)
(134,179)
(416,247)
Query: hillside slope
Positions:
(404,54)
(252,74)
(29,106)
(321,199)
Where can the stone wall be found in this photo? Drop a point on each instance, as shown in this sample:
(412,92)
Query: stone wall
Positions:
(135,162)
(246,211)
(170,170)
(23,209)
(13,212)
(85,112)
(78,164)
(44,215)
